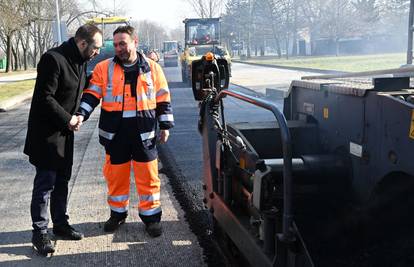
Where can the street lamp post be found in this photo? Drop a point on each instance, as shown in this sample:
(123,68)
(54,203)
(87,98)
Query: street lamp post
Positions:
(59,33)
(410,34)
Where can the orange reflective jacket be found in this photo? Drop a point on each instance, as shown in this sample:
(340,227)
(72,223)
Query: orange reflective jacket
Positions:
(151,104)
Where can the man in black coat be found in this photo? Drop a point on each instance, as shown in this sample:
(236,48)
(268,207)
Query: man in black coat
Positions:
(61,77)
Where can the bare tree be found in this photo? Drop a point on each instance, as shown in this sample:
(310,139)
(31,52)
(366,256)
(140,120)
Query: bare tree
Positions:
(237,24)
(150,34)
(12,19)
(339,22)
(207,8)
(176,34)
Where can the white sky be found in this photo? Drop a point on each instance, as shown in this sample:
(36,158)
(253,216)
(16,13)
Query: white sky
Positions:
(168,13)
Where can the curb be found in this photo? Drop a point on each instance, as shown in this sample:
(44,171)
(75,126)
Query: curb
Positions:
(291,68)
(7,104)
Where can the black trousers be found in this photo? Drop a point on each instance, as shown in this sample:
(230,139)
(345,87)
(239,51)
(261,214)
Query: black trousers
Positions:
(53,185)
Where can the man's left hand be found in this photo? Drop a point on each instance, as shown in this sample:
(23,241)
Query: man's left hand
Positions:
(164,136)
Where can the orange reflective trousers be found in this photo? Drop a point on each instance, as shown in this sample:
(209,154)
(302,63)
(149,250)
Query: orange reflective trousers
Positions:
(147,184)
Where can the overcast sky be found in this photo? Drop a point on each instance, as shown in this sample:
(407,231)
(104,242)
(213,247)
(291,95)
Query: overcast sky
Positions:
(169,13)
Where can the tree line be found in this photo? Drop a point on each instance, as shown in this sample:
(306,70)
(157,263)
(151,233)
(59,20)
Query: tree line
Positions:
(279,24)
(27,26)
(249,27)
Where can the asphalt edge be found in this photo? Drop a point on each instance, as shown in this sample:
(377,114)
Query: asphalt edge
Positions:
(198,218)
(12,102)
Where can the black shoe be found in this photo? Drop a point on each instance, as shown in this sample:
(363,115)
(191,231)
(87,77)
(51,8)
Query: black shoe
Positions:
(115,221)
(42,243)
(154,229)
(67,232)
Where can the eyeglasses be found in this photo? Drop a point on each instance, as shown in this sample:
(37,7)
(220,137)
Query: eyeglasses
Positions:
(94,47)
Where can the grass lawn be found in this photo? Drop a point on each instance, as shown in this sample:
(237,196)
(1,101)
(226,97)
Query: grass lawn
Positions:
(340,63)
(8,90)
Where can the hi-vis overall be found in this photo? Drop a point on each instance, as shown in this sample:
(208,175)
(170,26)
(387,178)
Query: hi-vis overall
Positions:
(127,129)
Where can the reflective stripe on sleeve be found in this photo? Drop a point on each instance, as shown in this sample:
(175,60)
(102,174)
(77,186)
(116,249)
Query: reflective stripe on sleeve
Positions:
(106,135)
(163,91)
(148,135)
(166,117)
(86,107)
(95,88)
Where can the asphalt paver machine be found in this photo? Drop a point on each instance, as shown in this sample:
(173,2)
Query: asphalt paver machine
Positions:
(329,182)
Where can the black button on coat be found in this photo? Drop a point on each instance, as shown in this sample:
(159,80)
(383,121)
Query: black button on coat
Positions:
(61,77)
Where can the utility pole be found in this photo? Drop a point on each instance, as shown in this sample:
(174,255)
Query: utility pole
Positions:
(410,34)
(58,23)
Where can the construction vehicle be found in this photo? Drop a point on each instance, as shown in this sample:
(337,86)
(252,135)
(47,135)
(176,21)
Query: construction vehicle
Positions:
(201,36)
(170,53)
(107,26)
(329,182)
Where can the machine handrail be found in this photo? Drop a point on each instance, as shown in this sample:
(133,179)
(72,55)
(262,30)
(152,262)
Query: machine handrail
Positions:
(287,154)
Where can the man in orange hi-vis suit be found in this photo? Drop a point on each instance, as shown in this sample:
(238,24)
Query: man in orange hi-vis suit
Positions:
(135,98)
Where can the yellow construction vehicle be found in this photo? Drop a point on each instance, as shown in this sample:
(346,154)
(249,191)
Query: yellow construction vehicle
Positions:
(201,36)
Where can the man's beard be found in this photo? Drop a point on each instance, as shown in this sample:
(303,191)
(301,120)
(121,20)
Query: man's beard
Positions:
(124,57)
(86,55)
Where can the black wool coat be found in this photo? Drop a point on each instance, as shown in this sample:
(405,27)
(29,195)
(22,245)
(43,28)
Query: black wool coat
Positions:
(61,77)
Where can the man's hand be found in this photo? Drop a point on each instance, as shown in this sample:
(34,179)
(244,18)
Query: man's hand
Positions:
(80,121)
(164,136)
(75,123)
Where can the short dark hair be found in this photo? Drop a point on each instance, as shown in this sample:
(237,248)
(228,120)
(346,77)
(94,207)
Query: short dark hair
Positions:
(87,32)
(126,29)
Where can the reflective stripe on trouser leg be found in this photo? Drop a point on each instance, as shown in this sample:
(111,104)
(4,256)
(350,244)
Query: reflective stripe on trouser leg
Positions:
(148,187)
(117,179)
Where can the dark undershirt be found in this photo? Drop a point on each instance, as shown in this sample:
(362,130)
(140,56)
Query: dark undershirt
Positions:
(131,76)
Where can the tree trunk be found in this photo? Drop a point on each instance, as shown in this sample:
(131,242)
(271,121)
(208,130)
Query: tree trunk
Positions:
(25,49)
(312,44)
(295,30)
(15,59)
(337,46)
(287,46)
(8,52)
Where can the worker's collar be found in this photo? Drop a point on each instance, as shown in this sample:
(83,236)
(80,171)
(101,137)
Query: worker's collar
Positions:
(130,64)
